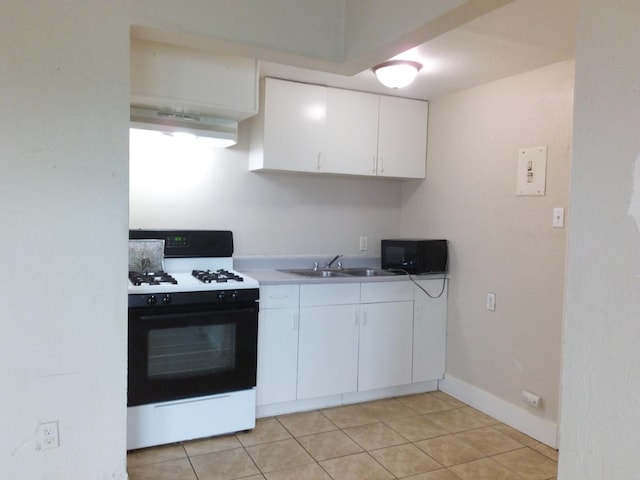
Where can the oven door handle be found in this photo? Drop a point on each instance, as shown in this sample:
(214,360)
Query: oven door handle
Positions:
(191,400)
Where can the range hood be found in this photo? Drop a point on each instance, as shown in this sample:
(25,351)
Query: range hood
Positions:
(223,131)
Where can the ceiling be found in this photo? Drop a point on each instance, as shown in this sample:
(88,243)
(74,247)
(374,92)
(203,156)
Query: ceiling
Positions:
(522,35)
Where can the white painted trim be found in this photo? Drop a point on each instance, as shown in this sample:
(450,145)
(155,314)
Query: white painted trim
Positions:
(542,430)
(296,406)
(343,399)
(369,395)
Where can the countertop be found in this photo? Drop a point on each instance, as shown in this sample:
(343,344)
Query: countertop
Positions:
(266,269)
(275,277)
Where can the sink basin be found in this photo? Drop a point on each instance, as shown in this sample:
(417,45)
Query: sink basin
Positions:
(317,273)
(347,272)
(366,272)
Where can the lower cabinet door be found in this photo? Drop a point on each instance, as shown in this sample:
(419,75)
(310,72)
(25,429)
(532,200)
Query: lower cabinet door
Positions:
(328,350)
(430,331)
(385,355)
(277,355)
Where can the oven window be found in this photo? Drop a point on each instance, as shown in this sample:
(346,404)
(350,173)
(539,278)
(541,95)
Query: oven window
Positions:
(192,351)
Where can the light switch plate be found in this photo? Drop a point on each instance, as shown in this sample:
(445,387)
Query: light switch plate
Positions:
(491,301)
(532,171)
(364,243)
(558,217)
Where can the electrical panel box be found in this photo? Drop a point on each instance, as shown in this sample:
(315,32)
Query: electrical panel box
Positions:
(532,171)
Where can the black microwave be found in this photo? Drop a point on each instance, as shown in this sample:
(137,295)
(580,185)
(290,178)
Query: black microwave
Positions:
(414,256)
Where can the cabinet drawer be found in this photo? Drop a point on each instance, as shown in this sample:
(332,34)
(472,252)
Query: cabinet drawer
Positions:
(334,294)
(279,296)
(376,292)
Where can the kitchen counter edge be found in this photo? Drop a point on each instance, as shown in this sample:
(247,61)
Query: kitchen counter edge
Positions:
(275,277)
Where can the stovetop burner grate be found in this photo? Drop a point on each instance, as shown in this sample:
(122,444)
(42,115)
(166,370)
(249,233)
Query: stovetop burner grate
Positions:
(219,276)
(151,278)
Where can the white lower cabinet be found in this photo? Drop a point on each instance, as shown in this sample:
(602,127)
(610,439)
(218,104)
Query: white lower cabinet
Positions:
(328,350)
(386,332)
(277,373)
(386,335)
(430,330)
(328,340)
(321,340)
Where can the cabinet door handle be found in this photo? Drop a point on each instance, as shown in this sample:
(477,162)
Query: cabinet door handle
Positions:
(364,318)
(278,297)
(357,316)
(381,164)
(418,311)
(373,168)
(319,160)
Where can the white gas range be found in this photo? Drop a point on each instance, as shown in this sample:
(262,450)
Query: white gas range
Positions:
(193,324)
(190,275)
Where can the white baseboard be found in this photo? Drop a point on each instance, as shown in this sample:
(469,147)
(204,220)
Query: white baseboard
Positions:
(296,406)
(343,399)
(542,430)
(370,395)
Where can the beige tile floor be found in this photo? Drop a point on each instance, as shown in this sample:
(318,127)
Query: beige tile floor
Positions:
(429,436)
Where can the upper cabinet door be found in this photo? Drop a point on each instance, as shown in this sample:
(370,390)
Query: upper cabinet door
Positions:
(402,133)
(293,136)
(351,132)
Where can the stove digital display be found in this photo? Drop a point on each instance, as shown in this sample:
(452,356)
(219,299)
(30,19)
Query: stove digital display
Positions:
(177,241)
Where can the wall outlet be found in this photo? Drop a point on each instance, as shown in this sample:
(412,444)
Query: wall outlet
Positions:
(531,399)
(491,301)
(364,243)
(48,435)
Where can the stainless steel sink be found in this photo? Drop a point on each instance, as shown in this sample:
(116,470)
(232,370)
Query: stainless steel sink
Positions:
(346,272)
(367,272)
(320,273)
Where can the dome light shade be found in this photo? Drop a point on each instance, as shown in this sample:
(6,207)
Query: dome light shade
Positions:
(397,73)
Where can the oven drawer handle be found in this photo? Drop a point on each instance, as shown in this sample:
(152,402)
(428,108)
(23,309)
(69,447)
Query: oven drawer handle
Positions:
(194,400)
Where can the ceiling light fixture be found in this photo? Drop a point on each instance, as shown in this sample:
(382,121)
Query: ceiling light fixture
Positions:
(397,73)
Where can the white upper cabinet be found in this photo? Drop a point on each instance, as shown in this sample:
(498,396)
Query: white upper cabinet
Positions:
(316,129)
(351,132)
(402,138)
(288,134)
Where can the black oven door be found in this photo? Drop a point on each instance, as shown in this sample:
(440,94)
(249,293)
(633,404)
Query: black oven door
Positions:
(190,351)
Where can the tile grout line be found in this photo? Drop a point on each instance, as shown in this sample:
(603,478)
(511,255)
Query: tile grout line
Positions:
(302,446)
(195,474)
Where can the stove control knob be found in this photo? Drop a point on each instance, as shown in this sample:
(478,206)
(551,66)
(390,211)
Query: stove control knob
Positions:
(166,299)
(234,295)
(151,300)
(221,295)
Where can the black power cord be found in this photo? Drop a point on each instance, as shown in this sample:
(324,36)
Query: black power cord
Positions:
(444,282)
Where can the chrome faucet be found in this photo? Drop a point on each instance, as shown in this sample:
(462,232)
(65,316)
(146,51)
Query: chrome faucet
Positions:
(330,262)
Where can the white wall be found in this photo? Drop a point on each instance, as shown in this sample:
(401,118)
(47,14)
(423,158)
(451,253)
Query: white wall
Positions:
(64,83)
(500,242)
(301,27)
(601,379)
(269,213)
